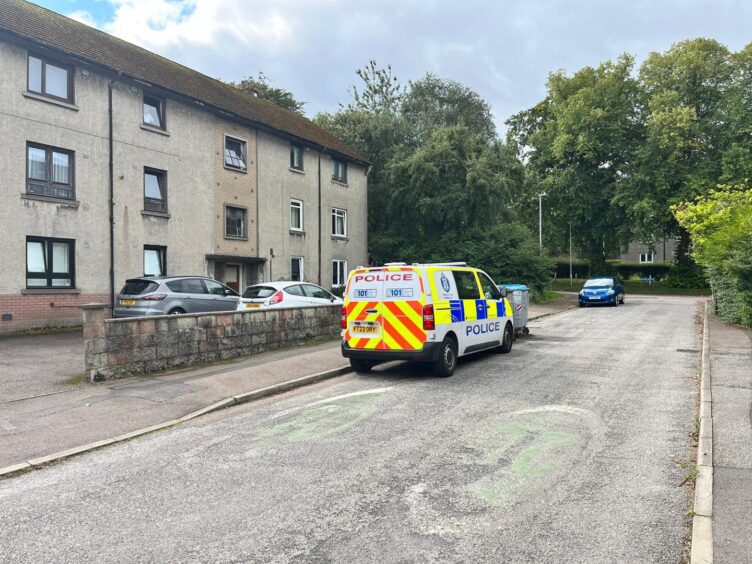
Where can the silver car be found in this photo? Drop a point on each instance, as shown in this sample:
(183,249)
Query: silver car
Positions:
(173,295)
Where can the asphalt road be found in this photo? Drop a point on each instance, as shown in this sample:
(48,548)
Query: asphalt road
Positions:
(569,449)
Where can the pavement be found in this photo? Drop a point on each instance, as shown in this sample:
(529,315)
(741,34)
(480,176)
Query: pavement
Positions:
(572,448)
(731,385)
(45,408)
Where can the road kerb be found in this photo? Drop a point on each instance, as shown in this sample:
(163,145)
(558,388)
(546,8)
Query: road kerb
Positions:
(268,391)
(550,313)
(702,522)
(24,466)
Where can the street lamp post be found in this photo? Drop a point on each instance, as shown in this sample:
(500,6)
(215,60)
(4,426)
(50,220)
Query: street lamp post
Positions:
(540,221)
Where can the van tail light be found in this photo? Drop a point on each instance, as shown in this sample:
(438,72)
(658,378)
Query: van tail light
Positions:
(154,298)
(276,298)
(429,323)
(343,321)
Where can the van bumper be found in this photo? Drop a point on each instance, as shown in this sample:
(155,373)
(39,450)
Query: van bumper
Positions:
(429,353)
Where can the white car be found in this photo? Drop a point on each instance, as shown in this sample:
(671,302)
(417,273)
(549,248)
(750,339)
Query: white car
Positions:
(285,294)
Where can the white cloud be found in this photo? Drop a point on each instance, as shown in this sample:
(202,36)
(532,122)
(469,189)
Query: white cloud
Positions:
(84,17)
(169,24)
(504,49)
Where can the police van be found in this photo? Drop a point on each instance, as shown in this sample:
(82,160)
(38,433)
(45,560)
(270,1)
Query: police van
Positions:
(423,312)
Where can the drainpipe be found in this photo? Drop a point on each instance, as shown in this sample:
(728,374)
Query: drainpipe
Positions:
(319,174)
(112,198)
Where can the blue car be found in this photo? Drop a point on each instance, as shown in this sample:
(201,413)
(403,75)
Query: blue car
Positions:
(602,290)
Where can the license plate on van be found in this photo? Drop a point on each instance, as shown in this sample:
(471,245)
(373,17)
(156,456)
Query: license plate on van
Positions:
(364,329)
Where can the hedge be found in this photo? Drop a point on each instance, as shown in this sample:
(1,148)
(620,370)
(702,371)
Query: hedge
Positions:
(580,269)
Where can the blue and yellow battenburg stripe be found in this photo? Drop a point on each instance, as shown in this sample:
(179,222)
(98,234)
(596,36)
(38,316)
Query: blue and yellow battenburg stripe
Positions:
(455,311)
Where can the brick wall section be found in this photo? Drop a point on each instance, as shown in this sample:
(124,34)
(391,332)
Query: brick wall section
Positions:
(44,310)
(115,348)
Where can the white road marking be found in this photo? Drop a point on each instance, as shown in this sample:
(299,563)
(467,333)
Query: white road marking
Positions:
(333,399)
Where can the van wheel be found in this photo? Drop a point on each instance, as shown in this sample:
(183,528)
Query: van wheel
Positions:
(360,365)
(506,340)
(445,365)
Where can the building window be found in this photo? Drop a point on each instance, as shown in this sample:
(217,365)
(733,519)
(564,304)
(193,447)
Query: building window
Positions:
(155,260)
(235,153)
(154,111)
(296,215)
(155,190)
(296,157)
(296,268)
(339,273)
(50,263)
(49,171)
(235,223)
(647,257)
(340,171)
(339,222)
(50,79)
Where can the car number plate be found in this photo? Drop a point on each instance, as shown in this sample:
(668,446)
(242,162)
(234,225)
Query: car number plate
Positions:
(252,306)
(364,329)
(128,302)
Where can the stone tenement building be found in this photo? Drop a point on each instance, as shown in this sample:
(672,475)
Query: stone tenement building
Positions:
(116,162)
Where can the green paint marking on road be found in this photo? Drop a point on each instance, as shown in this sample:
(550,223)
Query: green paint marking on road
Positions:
(524,453)
(319,421)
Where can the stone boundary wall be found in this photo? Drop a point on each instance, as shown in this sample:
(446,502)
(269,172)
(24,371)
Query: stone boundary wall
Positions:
(114,348)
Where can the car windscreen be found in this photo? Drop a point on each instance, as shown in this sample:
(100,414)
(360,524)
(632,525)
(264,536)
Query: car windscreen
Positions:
(137,287)
(599,282)
(258,292)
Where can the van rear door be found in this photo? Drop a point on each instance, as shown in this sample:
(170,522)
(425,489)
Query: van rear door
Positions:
(385,309)
(402,311)
(363,303)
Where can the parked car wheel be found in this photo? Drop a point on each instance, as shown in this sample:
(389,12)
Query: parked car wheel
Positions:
(175,311)
(447,361)
(360,365)
(506,340)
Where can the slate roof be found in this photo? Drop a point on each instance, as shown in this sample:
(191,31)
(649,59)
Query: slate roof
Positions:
(49,29)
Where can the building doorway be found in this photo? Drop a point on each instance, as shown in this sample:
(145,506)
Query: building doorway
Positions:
(232,276)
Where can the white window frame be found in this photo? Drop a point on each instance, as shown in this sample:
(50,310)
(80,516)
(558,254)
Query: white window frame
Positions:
(336,213)
(339,280)
(294,202)
(302,268)
(647,258)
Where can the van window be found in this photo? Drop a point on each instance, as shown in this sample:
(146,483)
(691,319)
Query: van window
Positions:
(490,290)
(467,286)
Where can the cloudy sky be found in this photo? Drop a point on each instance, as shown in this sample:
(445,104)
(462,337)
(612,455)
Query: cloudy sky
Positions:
(503,49)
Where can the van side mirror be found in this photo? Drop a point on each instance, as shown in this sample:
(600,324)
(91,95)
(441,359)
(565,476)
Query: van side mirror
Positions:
(504,292)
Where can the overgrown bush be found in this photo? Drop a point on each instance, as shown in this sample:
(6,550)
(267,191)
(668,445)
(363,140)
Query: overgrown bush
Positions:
(720,226)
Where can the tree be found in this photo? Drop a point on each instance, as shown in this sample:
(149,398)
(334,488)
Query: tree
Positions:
(684,111)
(262,89)
(577,145)
(381,91)
(432,103)
(441,184)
